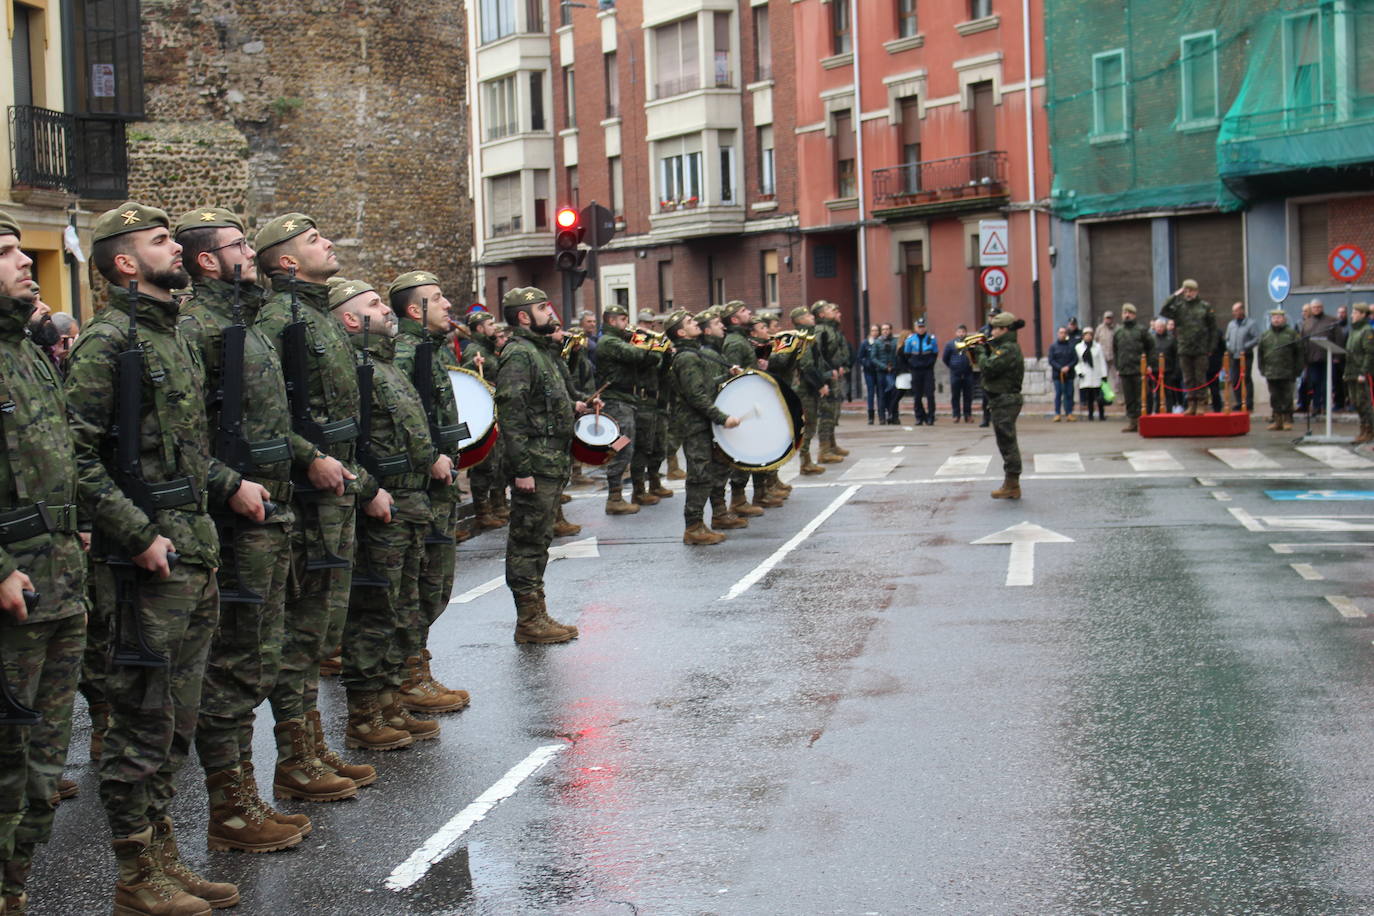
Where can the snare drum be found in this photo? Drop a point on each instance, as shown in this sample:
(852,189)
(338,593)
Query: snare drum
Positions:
(596,438)
(477,408)
(771,422)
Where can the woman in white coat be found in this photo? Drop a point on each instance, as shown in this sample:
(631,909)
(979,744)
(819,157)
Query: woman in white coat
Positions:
(1091,370)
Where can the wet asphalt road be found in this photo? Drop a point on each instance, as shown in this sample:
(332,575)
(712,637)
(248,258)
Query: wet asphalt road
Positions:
(1170,720)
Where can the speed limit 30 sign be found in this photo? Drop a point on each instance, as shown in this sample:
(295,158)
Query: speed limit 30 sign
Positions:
(994,280)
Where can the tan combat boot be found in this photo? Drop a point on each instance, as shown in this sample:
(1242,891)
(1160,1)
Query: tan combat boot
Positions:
(1288,421)
(699,535)
(333,665)
(1010,489)
(562,528)
(300,773)
(722,519)
(828,457)
(739,504)
(398,717)
(807,465)
(100,724)
(500,506)
(775,483)
(836,450)
(428,675)
(1132,425)
(361,774)
(549,621)
(250,789)
(1366,434)
(657,488)
(219,894)
(534,626)
(642,497)
(237,824)
(142,889)
(1276,423)
(367,729)
(616,505)
(483,518)
(564,498)
(766,498)
(675,471)
(422,694)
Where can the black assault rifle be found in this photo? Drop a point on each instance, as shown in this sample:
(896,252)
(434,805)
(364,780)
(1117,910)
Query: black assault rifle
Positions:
(12,712)
(446,438)
(366,577)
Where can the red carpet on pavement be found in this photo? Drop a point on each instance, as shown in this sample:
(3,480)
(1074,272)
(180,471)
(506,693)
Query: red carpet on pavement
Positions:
(1173,425)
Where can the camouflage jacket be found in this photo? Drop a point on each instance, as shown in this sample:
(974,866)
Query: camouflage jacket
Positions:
(697,374)
(1003,366)
(330,370)
(1359,351)
(624,368)
(582,372)
(445,417)
(37,463)
(739,349)
(1197,326)
(535,401)
(266,414)
(174,437)
(400,443)
(811,372)
(1280,354)
(832,348)
(1130,343)
(483,346)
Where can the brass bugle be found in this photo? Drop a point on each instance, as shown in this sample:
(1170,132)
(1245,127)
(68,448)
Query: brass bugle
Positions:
(972,340)
(572,341)
(655,341)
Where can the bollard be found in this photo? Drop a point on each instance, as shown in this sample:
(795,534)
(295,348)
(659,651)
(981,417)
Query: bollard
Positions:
(1226,374)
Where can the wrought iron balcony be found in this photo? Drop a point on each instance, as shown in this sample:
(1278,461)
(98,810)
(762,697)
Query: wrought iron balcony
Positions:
(975,175)
(56,151)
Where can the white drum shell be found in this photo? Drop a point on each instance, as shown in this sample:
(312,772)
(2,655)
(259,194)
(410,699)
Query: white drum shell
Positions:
(596,429)
(476,406)
(766,434)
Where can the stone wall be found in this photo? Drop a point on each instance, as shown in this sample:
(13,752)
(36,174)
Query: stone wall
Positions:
(354,112)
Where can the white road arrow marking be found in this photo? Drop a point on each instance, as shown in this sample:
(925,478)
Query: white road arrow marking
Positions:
(1023,538)
(577,550)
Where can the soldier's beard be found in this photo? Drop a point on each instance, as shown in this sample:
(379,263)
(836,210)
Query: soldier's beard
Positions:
(545,329)
(42,331)
(170,279)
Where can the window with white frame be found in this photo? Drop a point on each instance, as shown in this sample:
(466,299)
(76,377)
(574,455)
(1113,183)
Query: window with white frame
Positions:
(541,200)
(1109,93)
(679,172)
(1302,66)
(676,58)
(1198,72)
(768,178)
(501,110)
(617,171)
(503,203)
(497,19)
(906,18)
(726,142)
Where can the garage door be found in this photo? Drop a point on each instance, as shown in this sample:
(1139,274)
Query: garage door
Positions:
(1210,249)
(1120,269)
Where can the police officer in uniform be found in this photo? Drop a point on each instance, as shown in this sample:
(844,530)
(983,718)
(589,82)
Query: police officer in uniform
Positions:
(1004,368)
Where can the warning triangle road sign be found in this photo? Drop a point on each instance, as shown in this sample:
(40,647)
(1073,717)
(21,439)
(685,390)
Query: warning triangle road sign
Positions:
(992,243)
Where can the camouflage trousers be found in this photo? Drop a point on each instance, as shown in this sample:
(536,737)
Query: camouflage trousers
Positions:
(315,612)
(531,532)
(706,474)
(438,570)
(384,623)
(829,415)
(42,664)
(1194,376)
(1281,396)
(1357,395)
(93,662)
(626,416)
(1130,393)
(153,710)
(651,445)
(245,653)
(672,435)
(487,479)
(811,410)
(1005,408)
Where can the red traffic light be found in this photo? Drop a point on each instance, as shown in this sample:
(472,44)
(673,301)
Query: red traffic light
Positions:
(567,218)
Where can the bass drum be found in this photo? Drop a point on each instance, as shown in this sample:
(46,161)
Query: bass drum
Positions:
(771,422)
(477,408)
(596,438)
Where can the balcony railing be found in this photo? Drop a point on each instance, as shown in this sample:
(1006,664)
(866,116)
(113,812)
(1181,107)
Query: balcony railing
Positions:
(56,151)
(667,88)
(976,175)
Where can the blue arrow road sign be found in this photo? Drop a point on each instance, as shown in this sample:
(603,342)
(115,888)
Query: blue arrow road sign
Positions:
(1279,283)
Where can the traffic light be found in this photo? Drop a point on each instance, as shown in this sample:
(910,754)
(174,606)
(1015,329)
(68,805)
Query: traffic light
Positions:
(567,255)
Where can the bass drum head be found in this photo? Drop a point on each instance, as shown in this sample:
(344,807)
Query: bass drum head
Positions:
(476,406)
(596,429)
(769,431)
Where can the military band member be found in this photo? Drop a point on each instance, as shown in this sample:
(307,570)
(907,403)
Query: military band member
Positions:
(814,383)
(325,504)
(834,354)
(164,608)
(422,310)
(486,478)
(621,367)
(537,404)
(738,350)
(1004,368)
(245,653)
(41,646)
(1280,362)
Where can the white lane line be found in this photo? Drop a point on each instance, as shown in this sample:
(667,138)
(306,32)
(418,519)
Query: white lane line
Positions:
(478,591)
(1336,457)
(758,572)
(1152,460)
(1347,607)
(1289,548)
(964,466)
(898,449)
(438,846)
(1307,571)
(1058,463)
(1221,496)
(1245,518)
(1206,482)
(1316,522)
(871,468)
(1244,459)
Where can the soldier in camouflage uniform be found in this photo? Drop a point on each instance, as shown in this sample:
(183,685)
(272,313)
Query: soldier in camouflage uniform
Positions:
(697,374)
(738,350)
(814,384)
(623,368)
(651,422)
(1280,362)
(537,404)
(1359,366)
(325,505)
(41,647)
(1132,341)
(1197,335)
(486,478)
(1004,369)
(245,653)
(420,306)
(384,627)
(832,349)
(173,606)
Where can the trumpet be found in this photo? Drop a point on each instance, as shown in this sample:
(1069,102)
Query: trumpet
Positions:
(970,347)
(574,341)
(793,340)
(653,341)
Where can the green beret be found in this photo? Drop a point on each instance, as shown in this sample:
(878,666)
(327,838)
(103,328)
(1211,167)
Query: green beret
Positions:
(411,280)
(1128,309)
(674,319)
(129,216)
(1360,307)
(477,316)
(1003,320)
(648,315)
(1278,311)
(341,292)
(706,314)
(523,295)
(731,309)
(207,218)
(8,225)
(798,312)
(610,310)
(281,229)
(820,305)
